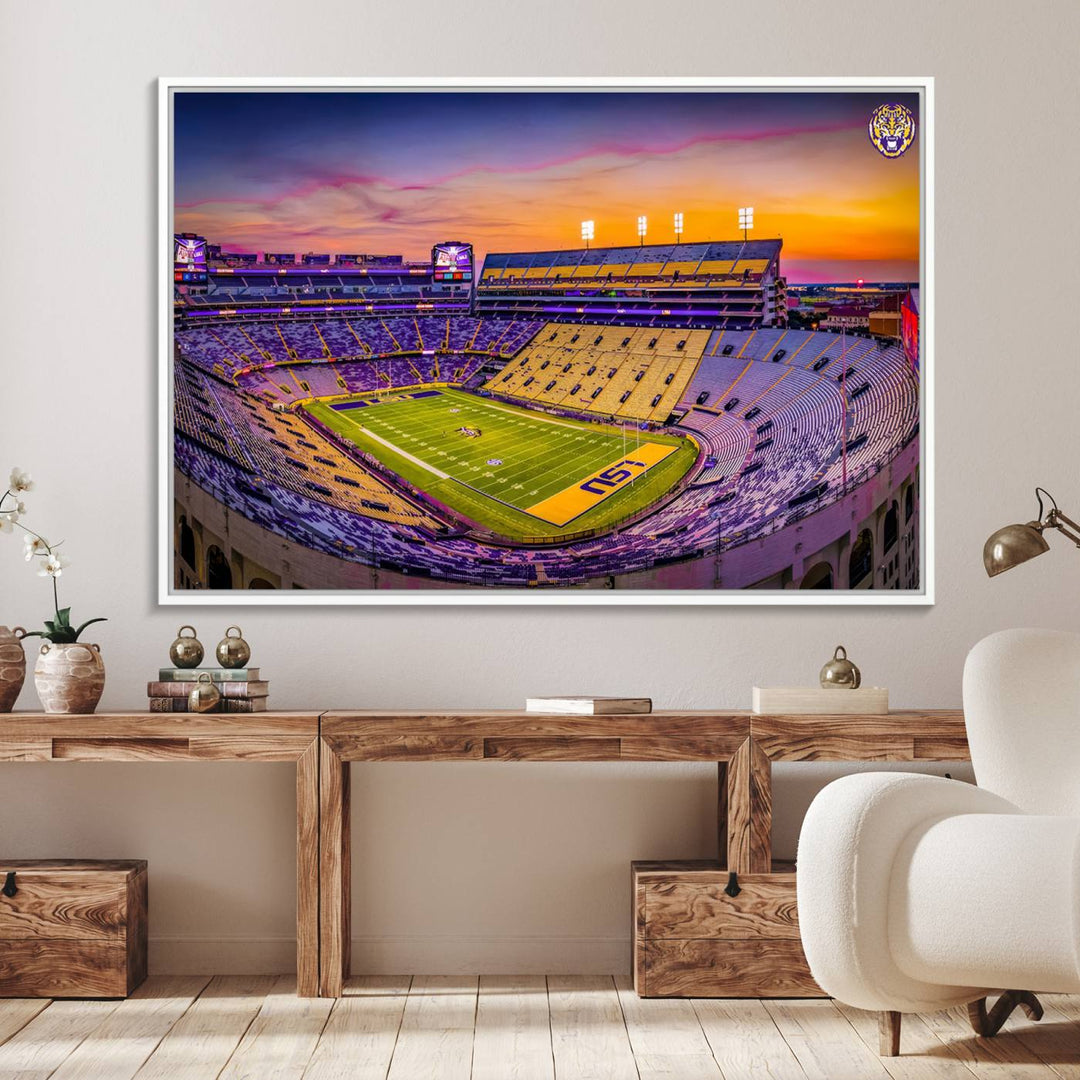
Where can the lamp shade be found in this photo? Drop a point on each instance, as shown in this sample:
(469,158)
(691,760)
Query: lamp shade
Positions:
(1012,545)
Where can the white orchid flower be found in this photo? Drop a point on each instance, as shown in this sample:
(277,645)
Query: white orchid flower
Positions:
(20,481)
(6,522)
(54,565)
(34,545)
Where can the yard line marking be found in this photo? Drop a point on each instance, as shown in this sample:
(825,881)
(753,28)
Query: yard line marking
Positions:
(397,450)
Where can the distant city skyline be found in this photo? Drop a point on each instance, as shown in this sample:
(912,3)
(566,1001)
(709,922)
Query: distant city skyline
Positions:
(394,172)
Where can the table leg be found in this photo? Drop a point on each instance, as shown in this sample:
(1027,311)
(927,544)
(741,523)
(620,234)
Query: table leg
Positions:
(334,872)
(749,810)
(722,813)
(307,871)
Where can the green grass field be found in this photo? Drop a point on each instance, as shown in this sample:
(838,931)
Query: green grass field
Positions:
(537,457)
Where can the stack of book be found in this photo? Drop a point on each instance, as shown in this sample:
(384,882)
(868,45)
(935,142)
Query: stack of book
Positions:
(241,689)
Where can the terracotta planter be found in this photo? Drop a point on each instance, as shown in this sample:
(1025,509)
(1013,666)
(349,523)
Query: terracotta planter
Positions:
(12,666)
(69,678)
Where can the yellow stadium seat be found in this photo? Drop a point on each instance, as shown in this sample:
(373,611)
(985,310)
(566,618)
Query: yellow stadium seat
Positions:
(684,268)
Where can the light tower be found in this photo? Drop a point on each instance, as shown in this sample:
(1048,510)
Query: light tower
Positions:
(678,227)
(642,226)
(588,232)
(746,219)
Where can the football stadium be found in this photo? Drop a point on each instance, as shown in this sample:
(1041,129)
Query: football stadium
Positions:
(639,417)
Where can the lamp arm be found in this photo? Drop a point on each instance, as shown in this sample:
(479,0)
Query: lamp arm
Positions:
(1056,519)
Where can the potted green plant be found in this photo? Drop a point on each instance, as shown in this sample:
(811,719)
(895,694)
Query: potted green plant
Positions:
(69,674)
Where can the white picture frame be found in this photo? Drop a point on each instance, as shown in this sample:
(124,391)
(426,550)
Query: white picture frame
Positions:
(169,594)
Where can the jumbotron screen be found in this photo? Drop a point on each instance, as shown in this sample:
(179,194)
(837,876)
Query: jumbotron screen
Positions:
(189,259)
(452,261)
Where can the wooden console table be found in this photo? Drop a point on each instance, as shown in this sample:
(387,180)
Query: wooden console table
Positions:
(137,736)
(742,744)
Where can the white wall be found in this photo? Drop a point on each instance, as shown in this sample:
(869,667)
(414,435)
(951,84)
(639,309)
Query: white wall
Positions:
(507,866)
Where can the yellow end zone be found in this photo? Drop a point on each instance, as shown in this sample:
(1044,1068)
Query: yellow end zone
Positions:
(572,502)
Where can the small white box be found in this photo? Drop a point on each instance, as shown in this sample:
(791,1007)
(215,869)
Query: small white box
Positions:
(816,700)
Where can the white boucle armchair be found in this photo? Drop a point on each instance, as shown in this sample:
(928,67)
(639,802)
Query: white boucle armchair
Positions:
(918,893)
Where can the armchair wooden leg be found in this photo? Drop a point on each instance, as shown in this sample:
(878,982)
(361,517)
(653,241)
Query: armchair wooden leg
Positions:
(889,1033)
(988,1024)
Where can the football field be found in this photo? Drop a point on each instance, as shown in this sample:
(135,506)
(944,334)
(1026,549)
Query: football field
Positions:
(521,474)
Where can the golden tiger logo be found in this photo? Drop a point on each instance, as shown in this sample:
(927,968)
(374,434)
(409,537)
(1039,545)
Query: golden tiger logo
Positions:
(891,129)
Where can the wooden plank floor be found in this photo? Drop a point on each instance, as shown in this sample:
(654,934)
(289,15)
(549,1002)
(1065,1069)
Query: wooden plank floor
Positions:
(524,1027)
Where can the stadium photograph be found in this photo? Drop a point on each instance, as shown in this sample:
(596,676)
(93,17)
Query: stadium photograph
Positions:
(645,342)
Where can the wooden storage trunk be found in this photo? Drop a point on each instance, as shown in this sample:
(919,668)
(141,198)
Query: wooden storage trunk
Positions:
(72,928)
(691,939)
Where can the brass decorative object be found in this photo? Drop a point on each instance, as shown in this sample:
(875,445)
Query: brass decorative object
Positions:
(840,673)
(204,695)
(12,666)
(233,652)
(186,652)
(1015,544)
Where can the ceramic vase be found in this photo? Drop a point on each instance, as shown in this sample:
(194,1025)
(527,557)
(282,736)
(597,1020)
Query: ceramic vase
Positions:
(69,678)
(12,667)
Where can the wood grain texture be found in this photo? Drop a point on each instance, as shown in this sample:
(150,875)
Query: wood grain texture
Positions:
(120,749)
(200,1043)
(74,904)
(665,1036)
(748,967)
(436,1036)
(764,908)
(40,1048)
(499,724)
(307,871)
(36,967)
(1007,1055)
(749,810)
(282,1037)
(722,812)
(248,747)
(890,1026)
(402,747)
(826,1045)
(140,725)
(923,1056)
(334,870)
(513,1032)
(552,748)
(131,1032)
(889,737)
(745,1042)
(73,929)
(678,747)
(359,1039)
(25,749)
(16,1013)
(588,1034)
(137,927)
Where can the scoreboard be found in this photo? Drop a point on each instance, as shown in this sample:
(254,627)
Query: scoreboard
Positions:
(452,261)
(189,259)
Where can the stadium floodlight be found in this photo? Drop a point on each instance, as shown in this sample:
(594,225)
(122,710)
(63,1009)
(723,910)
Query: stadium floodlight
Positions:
(678,227)
(642,226)
(588,232)
(746,219)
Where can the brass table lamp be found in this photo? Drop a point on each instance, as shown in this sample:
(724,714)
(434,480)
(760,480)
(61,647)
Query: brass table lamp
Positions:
(1014,544)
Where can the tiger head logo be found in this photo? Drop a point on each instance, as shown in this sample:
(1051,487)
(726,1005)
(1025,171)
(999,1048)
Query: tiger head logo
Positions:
(891,129)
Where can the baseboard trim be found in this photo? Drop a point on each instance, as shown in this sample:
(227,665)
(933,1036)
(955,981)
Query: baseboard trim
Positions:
(394,954)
